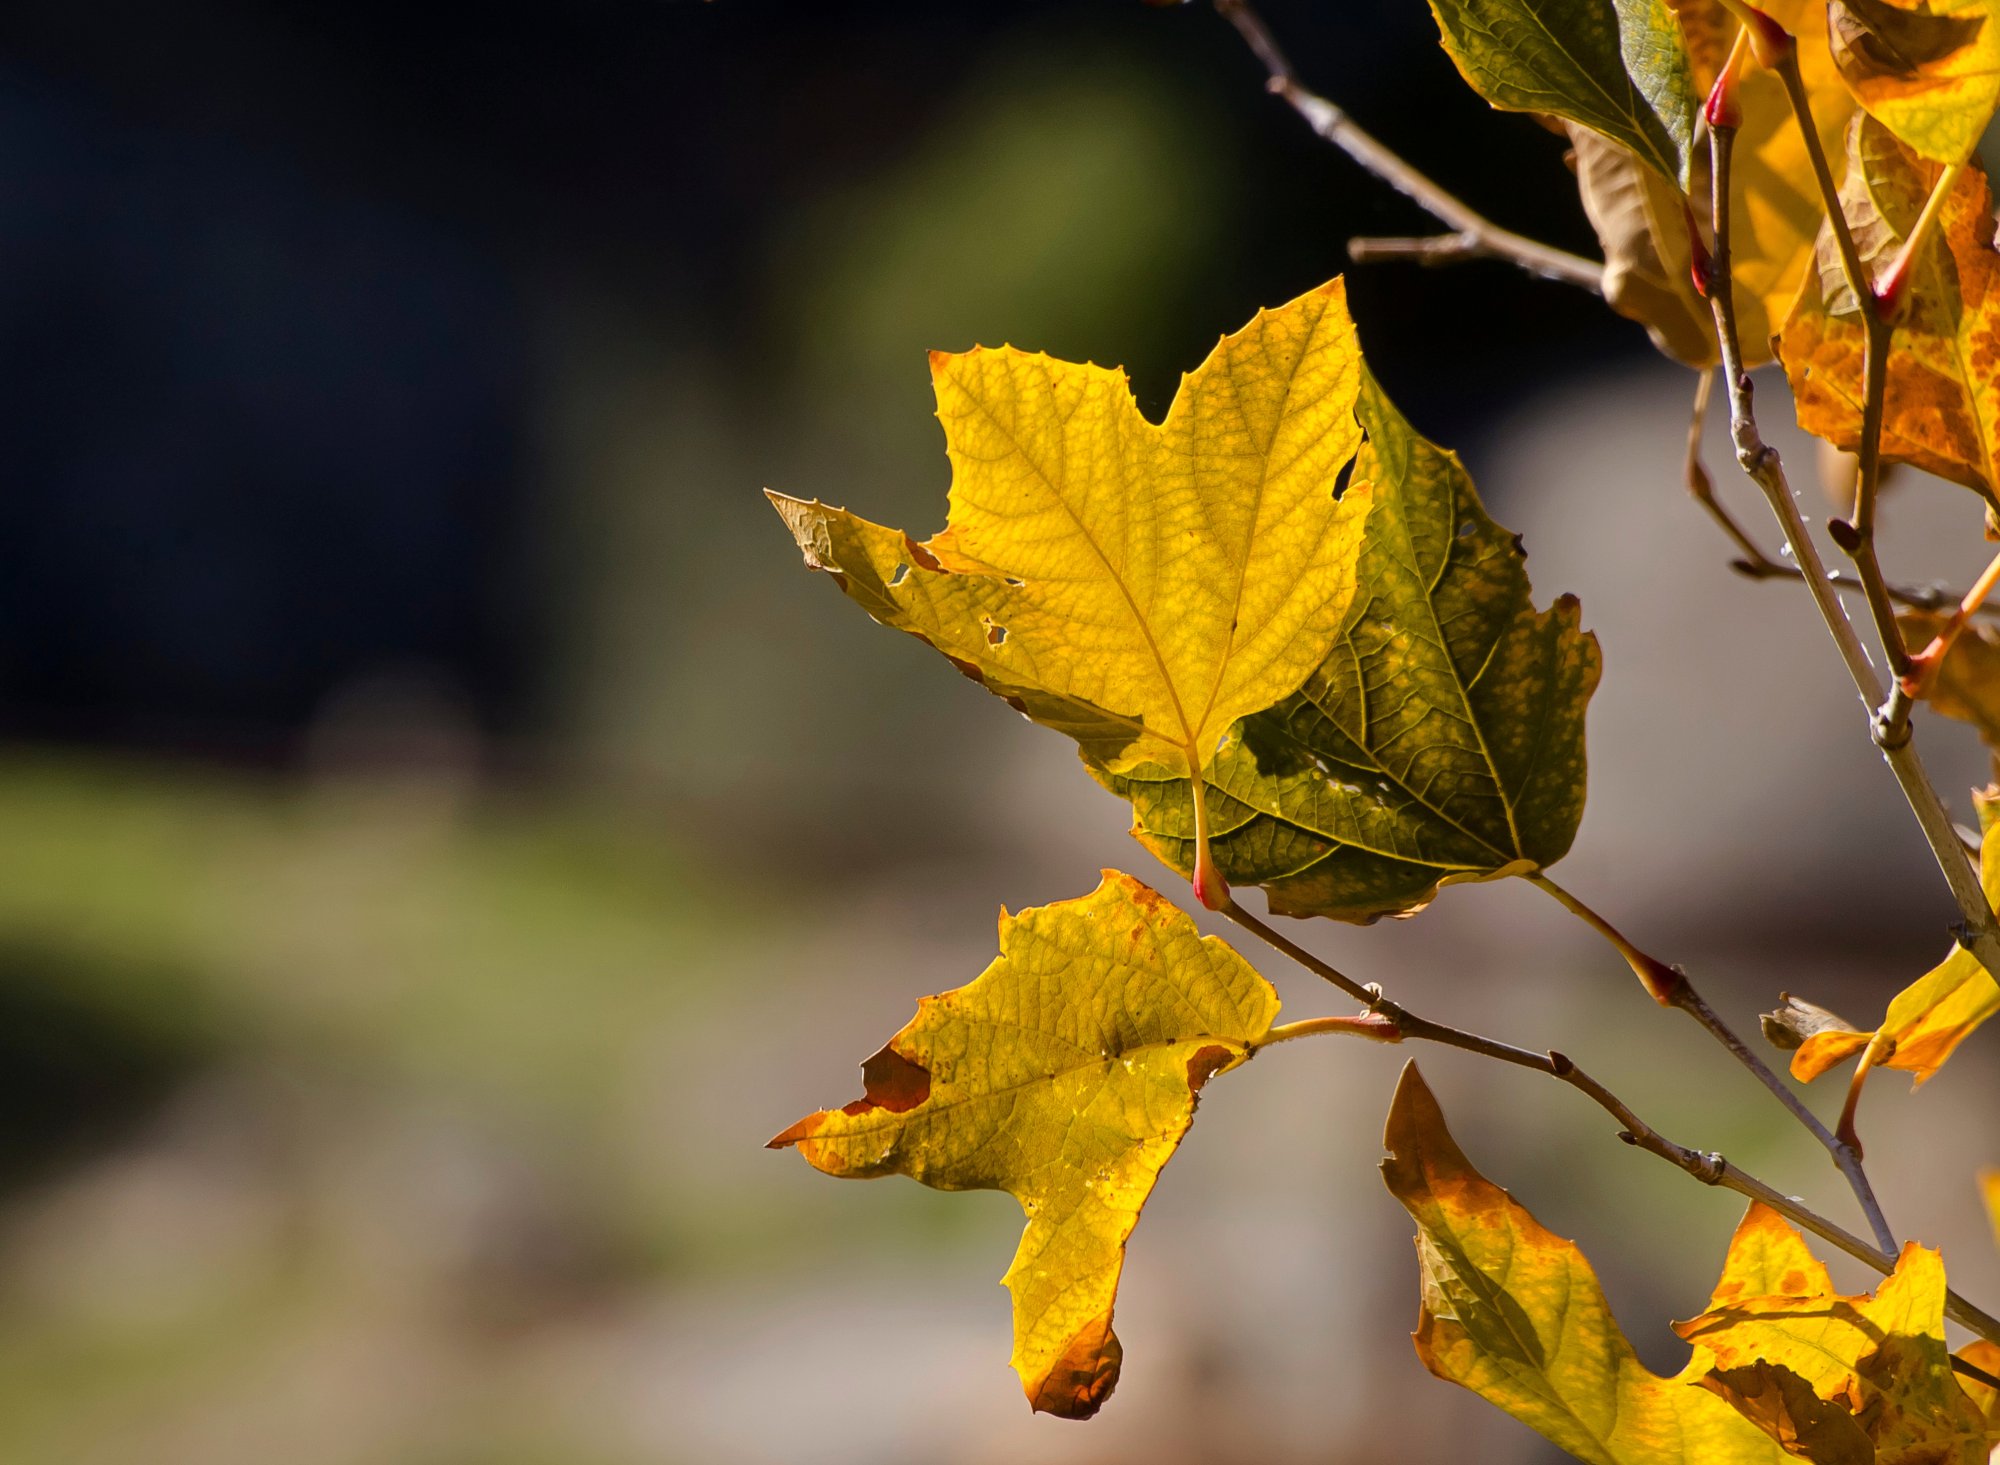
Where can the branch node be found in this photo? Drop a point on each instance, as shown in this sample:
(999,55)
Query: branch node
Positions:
(1890,726)
(1845,535)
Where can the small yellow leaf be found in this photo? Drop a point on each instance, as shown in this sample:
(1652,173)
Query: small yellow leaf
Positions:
(1137,586)
(1064,1074)
(1934,1014)
(1942,407)
(1989,1186)
(1516,1314)
(1859,1378)
(1928,70)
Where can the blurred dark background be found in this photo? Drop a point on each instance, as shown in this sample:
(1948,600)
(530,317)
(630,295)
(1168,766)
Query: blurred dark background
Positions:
(446,831)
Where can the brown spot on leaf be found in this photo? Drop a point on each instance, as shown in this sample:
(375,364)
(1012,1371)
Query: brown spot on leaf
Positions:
(921,555)
(1205,1064)
(891,1081)
(1083,1376)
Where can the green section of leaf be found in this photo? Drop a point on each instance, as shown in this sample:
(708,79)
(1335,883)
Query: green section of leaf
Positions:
(1442,740)
(1617,66)
(1516,1314)
(1065,1074)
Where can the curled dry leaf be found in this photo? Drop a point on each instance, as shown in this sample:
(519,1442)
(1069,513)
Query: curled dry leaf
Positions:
(1516,1314)
(1928,70)
(1941,411)
(1640,221)
(1441,740)
(1774,198)
(1137,586)
(1064,1074)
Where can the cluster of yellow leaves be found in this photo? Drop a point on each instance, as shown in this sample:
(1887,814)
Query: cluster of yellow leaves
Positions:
(1783,1366)
(1064,1074)
(1935,1013)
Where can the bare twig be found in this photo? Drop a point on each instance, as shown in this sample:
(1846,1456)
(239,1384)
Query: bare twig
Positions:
(1706,1166)
(1670,987)
(1333,124)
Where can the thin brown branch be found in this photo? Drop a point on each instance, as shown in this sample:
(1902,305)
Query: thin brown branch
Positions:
(1334,125)
(1671,987)
(1706,1166)
(1858,537)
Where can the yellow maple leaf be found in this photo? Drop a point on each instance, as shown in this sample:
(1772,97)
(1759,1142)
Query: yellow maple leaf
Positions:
(1515,1314)
(1934,1014)
(1137,586)
(1064,1074)
(1837,1378)
(1928,70)
(1942,407)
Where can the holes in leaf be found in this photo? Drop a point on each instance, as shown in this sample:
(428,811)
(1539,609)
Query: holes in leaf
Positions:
(995,635)
(897,578)
(1465,529)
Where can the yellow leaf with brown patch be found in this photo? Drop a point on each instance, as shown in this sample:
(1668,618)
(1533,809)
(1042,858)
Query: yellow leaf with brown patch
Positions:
(1928,70)
(1934,1014)
(1138,586)
(1941,411)
(1064,1074)
(1861,1379)
(1516,1314)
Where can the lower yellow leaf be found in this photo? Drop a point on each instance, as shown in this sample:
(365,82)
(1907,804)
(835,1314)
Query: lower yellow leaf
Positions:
(1860,1379)
(1064,1074)
(1516,1314)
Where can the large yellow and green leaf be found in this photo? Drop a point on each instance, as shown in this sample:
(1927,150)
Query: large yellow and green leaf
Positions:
(1065,1074)
(1942,406)
(1442,738)
(1516,1314)
(1928,70)
(1928,1019)
(1617,67)
(1138,586)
